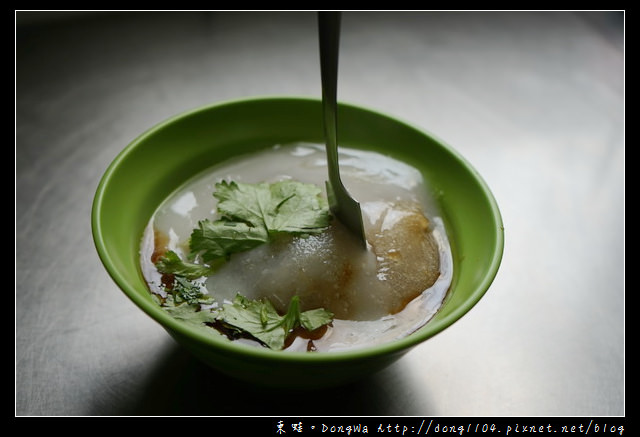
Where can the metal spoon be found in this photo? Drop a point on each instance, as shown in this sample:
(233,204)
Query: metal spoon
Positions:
(342,205)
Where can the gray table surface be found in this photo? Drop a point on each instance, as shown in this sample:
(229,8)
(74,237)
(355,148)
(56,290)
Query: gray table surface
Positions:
(534,101)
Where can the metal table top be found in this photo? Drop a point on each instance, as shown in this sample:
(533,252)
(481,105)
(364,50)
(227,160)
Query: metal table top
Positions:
(533,100)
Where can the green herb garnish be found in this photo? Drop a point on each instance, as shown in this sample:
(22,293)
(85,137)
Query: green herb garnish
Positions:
(171,263)
(285,206)
(259,319)
(249,215)
(254,214)
(184,301)
(192,314)
(215,241)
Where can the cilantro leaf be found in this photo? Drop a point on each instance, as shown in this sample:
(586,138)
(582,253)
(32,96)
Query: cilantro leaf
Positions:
(259,319)
(252,214)
(301,209)
(314,319)
(186,291)
(215,240)
(192,315)
(171,263)
(284,206)
(255,317)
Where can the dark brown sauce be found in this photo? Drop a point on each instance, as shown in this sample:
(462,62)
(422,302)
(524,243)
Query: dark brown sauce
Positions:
(160,243)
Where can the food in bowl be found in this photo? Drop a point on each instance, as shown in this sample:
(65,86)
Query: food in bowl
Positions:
(163,158)
(248,250)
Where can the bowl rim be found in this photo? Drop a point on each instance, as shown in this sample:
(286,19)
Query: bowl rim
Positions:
(169,322)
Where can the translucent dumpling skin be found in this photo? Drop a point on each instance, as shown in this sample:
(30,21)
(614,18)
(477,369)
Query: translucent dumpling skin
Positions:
(408,256)
(330,270)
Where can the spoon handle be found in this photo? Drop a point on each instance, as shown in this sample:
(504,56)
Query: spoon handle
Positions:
(329,34)
(344,207)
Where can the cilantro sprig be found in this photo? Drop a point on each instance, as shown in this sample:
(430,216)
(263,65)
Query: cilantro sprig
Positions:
(171,263)
(255,318)
(260,319)
(254,214)
(286,206)
(249,215)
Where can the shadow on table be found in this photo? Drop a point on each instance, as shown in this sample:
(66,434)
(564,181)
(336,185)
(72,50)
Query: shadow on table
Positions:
(184,386)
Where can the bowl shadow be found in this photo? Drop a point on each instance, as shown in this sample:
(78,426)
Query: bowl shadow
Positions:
(182,385)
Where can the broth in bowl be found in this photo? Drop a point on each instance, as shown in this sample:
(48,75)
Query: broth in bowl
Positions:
(207,262)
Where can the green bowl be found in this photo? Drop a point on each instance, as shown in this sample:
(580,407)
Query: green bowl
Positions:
(149,169)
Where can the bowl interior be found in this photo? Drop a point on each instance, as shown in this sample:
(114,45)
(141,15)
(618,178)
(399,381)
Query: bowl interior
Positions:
(163,158)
